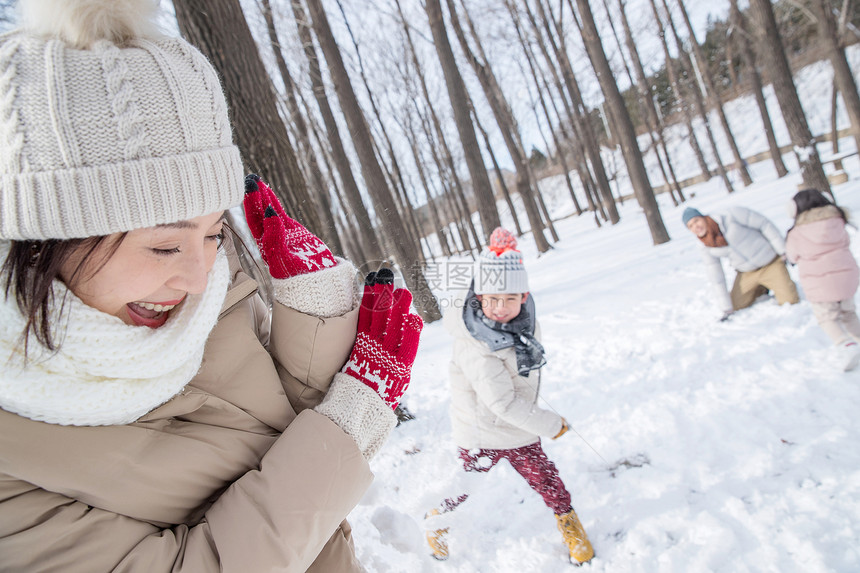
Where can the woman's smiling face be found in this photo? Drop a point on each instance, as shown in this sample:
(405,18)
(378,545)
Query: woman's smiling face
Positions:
(150,272)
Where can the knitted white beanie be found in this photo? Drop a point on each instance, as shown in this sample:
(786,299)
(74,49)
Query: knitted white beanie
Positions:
(500,274)
(107,127)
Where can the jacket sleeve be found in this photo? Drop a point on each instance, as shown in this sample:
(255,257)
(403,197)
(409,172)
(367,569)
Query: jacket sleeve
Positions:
(314,319)
(495,388)
(762,224)
(717,277)
(278,516)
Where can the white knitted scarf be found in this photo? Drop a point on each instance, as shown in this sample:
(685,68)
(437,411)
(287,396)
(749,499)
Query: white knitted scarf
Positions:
(105,372)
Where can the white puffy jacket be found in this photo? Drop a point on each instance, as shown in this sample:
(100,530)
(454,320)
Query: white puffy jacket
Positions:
(492,406)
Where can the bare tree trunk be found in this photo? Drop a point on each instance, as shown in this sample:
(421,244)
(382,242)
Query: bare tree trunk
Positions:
(302,137)
(786,94)
(678,92)
(730,57)
(556,143)
(507,127)
(260,132)
(510,130)
(693,88)
(576,149)
(367,236)
(460,212)
(626,133)
(739,23)
(440,134)
(830,37)
(646,109)
(834,129)
(394,173)
(486,202)
(499,175)
(409,129)
(392,224)
(581,121)
(350,228)
(401,198)
(716,99)
(574,117)
(539,88)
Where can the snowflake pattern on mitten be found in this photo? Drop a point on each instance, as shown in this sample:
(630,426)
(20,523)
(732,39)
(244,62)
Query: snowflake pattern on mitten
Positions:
(387,340)
(286,246)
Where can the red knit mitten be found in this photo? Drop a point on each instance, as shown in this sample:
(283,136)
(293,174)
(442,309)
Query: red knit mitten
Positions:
(387,338)
(286,246)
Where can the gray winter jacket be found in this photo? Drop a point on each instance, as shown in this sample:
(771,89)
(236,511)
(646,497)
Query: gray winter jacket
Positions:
(492,406)
(753,242)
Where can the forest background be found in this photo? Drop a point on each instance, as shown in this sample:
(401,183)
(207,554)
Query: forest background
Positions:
(391,128)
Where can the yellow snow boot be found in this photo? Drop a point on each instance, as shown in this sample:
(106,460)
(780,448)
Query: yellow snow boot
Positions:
(575,537)
(436,539)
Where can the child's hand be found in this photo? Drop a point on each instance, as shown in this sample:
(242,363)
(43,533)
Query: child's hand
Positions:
(564,428)
(285,245)
(387,338)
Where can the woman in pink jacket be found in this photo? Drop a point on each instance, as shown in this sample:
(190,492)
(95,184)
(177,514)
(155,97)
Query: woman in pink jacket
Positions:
(819,245)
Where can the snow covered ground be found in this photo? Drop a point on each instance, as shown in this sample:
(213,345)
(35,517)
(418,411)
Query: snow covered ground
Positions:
(698,445)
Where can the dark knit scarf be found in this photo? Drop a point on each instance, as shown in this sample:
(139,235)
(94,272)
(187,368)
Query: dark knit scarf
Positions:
(713,237)
(518,333)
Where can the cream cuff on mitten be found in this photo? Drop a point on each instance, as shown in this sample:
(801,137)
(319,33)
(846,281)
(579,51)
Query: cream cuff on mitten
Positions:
(325,293)
(359,411)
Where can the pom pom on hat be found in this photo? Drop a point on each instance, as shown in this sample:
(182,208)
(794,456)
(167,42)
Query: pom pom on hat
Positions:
(81,23)
(502,240)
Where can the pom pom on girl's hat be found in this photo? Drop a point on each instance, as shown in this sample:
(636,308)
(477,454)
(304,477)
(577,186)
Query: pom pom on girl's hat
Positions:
(502,240)
(106,125)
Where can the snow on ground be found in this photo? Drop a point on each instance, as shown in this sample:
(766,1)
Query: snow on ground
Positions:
(698,445)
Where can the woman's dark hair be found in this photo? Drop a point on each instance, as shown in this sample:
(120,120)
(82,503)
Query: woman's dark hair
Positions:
(810,199)
(30,270)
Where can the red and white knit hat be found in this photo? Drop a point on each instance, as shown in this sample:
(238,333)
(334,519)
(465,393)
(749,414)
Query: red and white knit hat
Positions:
(499,268)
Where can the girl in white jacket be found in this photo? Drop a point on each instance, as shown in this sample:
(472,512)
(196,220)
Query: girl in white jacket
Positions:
(495,381)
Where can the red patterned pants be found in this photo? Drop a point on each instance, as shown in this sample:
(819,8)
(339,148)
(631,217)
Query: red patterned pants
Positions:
(530,462)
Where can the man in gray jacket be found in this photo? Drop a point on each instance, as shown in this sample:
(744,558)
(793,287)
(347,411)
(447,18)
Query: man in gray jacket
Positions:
(755,249)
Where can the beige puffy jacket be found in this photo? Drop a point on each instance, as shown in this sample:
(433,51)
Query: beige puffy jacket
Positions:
(226,476)
(492,406)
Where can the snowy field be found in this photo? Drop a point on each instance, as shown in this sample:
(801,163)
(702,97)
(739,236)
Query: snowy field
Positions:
(698,445)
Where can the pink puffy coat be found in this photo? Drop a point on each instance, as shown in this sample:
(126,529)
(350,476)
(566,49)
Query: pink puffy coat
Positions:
(818,243)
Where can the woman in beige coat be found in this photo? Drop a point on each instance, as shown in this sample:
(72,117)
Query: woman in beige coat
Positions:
(155,414)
